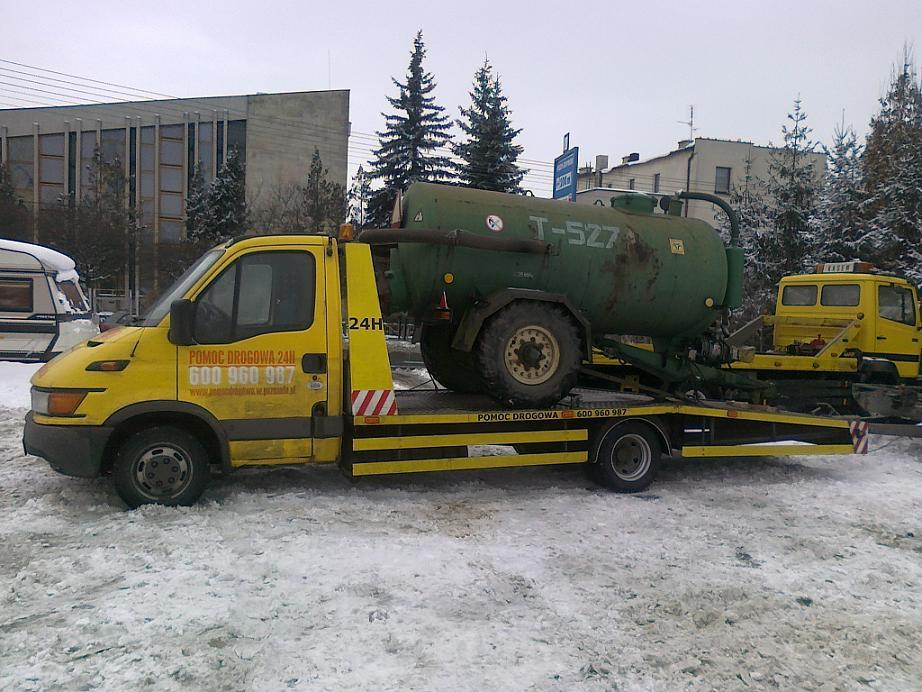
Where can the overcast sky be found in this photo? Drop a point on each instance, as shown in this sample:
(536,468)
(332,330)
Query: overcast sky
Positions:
(617,75)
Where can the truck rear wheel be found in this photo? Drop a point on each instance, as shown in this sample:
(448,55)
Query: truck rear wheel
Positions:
(451,368)
(626,456)
(161,465)
(529,354)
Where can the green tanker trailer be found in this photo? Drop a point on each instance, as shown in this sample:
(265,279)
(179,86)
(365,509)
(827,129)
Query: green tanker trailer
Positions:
(513,292)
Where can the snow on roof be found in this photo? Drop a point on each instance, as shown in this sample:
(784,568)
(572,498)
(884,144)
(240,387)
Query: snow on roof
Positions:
(51,260)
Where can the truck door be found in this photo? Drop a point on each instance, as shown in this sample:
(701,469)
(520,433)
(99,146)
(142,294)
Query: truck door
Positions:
(897,333)
(259,362)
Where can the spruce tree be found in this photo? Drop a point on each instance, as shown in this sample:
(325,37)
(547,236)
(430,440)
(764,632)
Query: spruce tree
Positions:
(407,150)
(893,177)
(488,155)
(6,185)
(748,199)
(841,224)
(359,194)
(791,193)
(227,204)
(98,231)
(218,212)
(198,222)
(323,202)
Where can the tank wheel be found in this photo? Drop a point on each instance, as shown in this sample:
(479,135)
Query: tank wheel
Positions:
(626,456)
(451,368)
(529,354)
(161,465)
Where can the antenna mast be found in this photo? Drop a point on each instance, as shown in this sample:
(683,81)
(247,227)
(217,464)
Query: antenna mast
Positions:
(690,122)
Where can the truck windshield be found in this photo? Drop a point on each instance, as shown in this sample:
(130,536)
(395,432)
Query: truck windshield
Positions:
(159,310)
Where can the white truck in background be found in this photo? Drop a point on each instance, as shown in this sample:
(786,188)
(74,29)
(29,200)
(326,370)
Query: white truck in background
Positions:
(43,310)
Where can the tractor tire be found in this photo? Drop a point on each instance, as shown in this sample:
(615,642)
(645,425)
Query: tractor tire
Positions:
(529,355)
(161,465)
(449,367)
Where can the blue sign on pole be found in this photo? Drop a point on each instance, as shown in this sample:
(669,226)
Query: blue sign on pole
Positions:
(565,167)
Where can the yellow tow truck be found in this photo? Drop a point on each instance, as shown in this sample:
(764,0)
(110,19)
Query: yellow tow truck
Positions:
(270,350)
(845,338)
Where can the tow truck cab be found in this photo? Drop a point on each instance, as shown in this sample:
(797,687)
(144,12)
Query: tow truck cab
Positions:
(261,384)
(811,310)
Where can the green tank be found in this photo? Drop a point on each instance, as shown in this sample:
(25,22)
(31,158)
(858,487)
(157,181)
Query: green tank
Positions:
(513,291)
(628,271)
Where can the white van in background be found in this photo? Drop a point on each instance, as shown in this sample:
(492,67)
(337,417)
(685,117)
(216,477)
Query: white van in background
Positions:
(43,311)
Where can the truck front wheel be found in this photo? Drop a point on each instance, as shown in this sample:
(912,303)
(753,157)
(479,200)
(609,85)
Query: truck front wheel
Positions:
(529,354)
(626,456)
(161,465)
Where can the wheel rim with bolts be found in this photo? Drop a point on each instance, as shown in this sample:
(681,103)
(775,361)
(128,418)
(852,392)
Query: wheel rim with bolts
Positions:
(532,355)
(163,470)
(631,457)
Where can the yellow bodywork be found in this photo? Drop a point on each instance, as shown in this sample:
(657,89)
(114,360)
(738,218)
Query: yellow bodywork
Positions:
(841,330)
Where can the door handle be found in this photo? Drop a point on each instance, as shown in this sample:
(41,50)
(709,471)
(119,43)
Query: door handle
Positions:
(881,338)
(314,363)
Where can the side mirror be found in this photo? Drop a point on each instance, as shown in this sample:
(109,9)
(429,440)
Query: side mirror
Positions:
(182,313)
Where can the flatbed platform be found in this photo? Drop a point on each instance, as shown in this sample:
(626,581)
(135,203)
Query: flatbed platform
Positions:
(436,429)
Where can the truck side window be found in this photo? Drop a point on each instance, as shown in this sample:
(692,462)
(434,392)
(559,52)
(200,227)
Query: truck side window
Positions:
(840,295)
(896,303)
(260,293)
(799,295)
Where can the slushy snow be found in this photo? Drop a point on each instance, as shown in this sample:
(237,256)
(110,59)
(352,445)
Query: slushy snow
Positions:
(727,574)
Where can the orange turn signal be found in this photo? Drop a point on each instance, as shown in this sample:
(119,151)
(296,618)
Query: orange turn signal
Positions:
(64,403)
(107,366)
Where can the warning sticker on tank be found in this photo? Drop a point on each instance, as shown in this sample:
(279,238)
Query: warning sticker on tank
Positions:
(418,217)
(677,246)
(494,223)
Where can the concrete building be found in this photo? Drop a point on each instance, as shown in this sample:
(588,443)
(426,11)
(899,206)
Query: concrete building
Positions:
(49,150)
(708,165)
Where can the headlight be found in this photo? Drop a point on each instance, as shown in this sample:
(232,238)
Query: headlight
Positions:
(57,402)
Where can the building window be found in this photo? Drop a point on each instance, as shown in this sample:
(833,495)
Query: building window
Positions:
(20,154)
(656,182)
(51,169)
(147,175)
(237,138)
(171,183)
(87,165)
(630,184)
(204,151)
(722,181)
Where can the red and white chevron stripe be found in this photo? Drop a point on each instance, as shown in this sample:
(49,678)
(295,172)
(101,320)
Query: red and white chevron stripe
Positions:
(859,430)
(374,402)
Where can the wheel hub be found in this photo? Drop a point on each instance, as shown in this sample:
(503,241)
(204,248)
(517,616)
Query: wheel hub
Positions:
(631,457)
(163,471)
(532,355)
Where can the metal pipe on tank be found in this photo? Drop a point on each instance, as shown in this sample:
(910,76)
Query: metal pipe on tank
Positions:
(728,210)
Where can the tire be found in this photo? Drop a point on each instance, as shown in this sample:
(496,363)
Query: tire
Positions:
(626,456)
(161,465)
(541,375)
(451,368)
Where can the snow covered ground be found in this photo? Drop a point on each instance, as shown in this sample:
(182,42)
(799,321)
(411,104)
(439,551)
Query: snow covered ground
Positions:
(792,573)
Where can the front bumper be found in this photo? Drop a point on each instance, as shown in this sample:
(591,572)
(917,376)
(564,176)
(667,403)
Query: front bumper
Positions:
(74,450)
